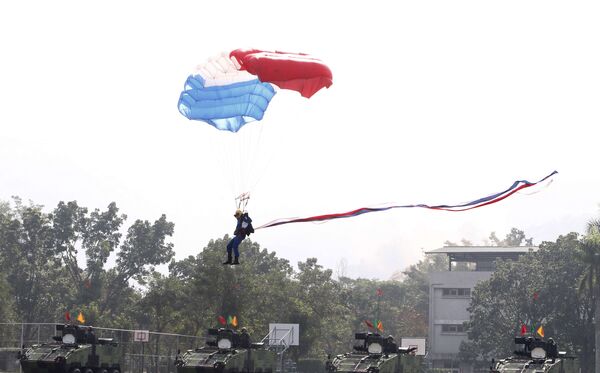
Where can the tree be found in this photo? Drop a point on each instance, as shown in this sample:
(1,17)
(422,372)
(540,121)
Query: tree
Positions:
(145,246)
(38,255)
(538,289)
(100,238)
(515,237)
(158,309)
(257,292)
(417,283)
(6,304)
(32,269)
(320,310)
(590,281)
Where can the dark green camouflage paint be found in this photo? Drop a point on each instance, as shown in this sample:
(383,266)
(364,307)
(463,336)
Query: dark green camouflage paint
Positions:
(86,354)
(389,358)
(239,357)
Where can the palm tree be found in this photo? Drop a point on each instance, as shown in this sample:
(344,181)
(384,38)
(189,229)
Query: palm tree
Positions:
(590,282)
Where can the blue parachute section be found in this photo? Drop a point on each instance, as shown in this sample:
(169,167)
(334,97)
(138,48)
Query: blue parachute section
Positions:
(227,107)
(223,97)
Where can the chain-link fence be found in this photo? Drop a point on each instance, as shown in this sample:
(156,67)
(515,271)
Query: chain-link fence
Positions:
(157,355)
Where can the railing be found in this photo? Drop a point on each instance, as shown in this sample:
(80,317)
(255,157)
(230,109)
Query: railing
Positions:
(155,356)
(279,345)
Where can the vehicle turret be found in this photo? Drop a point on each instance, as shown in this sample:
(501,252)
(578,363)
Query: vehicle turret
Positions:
(372,353)
(532,355)
(227,350)
(75,350)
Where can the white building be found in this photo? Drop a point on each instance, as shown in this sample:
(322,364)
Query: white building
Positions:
(450,295)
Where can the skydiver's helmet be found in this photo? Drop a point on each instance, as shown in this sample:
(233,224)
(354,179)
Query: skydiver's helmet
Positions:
(238,213)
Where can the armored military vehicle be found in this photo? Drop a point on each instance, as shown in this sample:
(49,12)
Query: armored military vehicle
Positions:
(534,355)
(227,351)
(373,354)
(76,350)
(9,361)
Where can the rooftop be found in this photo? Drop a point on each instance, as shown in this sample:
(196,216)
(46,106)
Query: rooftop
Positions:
(483,250)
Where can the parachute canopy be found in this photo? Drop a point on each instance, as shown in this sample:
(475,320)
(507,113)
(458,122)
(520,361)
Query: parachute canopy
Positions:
(223,96)
(233,89)
(296,71)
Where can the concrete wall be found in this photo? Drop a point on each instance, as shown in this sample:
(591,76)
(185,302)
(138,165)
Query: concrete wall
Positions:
(449,310)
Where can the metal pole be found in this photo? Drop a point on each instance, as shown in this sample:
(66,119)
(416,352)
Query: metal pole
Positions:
(142,371)
(22,326)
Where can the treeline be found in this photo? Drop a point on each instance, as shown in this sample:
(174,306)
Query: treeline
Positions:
(40,279)
(552,294)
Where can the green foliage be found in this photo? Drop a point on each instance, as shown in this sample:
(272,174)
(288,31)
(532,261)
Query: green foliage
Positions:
(589,285)
(515,237)
(38,254)
(42,277)
(538,289)
(416,284)
(6,304)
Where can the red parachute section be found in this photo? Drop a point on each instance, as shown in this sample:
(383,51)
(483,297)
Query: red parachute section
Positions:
(295,71)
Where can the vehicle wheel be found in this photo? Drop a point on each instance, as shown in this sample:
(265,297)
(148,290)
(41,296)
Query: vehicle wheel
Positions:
(115,371)
(88,370)
(75,370)
(101,370)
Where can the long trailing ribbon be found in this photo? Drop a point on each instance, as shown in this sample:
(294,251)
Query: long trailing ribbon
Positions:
(515,187)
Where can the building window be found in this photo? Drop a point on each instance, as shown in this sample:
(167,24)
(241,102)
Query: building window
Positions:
(486,266)
(453,328)
(456,292)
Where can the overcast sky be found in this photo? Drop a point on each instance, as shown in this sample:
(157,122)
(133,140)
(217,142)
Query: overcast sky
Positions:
(432,102)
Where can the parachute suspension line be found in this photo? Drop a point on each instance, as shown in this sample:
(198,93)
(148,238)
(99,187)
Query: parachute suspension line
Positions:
(231,165)
(251,163)
(220,148)
(244,155)
(260,171)
(254,159)
(242,160)
(241,201)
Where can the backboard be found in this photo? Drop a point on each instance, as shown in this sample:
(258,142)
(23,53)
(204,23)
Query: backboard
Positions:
(290,333)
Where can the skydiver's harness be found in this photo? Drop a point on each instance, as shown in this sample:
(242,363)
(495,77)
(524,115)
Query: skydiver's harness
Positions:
(244,226)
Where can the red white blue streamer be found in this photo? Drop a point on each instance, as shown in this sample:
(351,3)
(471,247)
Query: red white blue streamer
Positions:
(480,202)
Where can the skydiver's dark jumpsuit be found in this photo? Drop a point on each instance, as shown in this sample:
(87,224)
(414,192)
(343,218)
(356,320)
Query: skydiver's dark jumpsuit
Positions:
(241,231)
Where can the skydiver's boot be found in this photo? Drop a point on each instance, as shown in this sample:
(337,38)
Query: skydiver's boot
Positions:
(236,260)
(228,260)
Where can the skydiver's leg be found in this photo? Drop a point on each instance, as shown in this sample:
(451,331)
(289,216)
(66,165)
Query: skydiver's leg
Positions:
(229,248)
(236,242)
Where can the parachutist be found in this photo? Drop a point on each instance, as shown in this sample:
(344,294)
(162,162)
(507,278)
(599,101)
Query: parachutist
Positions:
(243,229)
(245,341)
